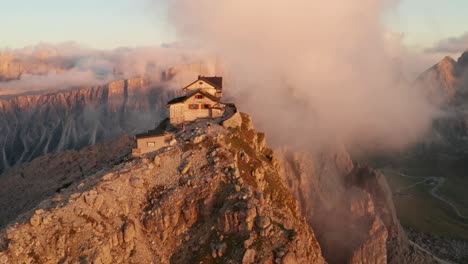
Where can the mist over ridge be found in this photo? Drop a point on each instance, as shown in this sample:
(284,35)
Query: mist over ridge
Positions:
(325,72)
(62,66)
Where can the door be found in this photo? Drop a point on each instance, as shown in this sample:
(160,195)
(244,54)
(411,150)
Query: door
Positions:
(177,114)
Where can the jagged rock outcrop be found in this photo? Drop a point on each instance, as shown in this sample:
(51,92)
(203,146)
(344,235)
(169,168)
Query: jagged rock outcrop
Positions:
(447,86)
(218,199)
(34,125)
(441,80)
(9,68)
(446,82)
(350,208)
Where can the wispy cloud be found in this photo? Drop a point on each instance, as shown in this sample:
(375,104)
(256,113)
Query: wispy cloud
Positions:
(450,45)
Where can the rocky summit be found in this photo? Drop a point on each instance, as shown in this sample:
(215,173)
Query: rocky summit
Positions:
(213,197)
(217,195)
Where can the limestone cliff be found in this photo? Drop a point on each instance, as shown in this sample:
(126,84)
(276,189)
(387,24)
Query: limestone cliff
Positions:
(350,208)
(213,197)
(34,125)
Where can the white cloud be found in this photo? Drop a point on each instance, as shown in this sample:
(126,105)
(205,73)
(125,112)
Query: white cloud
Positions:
(451,45)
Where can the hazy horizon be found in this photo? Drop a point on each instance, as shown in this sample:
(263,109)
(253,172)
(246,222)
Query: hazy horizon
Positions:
(125,23)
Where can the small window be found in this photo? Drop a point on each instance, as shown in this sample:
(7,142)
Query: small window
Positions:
(151,144)
(193,106)
(200,83)
(199,96)
(205,106)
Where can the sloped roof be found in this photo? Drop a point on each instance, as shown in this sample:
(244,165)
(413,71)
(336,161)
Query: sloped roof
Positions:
(177,100)
(184,98)
(215,81)
(152,133)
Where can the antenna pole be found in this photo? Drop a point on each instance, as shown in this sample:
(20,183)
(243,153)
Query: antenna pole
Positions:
(200,68)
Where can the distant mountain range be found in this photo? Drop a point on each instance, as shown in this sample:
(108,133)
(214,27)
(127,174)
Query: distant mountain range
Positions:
(34,125)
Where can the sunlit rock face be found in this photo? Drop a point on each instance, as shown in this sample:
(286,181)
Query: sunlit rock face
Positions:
(447,81)
(215,196)
(447,86)
(441,81)
(34,125)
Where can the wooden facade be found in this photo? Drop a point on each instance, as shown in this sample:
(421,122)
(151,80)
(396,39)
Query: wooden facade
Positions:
(196,106)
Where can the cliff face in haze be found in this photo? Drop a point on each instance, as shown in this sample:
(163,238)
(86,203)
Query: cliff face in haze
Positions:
(441,80)
(11,67)
(34,125)
(216,196)
(350,208)
(447,81)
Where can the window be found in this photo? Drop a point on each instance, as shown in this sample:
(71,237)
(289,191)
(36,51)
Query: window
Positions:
(199,96)
(193,106)
(151,144)
(200,83)
(205,106)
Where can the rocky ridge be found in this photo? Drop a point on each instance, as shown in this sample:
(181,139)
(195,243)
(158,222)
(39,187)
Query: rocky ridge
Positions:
(214,197)
(26,185)
(218,195)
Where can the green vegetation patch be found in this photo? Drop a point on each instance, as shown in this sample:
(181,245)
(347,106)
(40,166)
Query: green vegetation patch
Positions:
(419,210)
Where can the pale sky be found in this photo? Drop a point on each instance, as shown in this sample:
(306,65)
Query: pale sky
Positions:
(94,23)
(110,24)
(424,22)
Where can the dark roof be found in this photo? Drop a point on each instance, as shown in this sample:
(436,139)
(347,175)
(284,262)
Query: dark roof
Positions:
(152,133)
(184,98)
(215,81)
(177,100)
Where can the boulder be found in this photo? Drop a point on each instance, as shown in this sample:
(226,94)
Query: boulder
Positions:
(157,161)
(186,167)
(199,139)
(128,232)
(263,222)
(233,122)
(247,121)
(249,256)
(137,182)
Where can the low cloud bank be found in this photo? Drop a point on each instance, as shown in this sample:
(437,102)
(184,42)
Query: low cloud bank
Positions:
(313,73)
(51,67)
